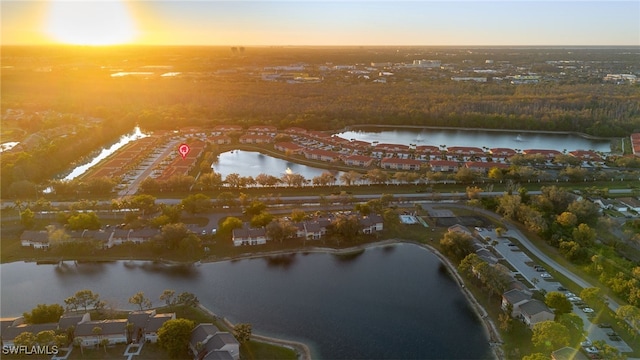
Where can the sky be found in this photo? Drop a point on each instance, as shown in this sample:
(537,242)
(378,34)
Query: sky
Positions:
(306,22)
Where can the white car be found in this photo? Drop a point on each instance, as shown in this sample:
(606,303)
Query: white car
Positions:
(575,299)
(545,276)
(586,343)
(569,294)
(591,350)
(587,310)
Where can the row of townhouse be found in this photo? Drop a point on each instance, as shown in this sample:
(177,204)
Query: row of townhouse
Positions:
(144,328)
(518,295)
(311,230)
(621,204)
(109,237)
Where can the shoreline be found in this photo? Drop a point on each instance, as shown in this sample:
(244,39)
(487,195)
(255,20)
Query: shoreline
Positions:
(576,133)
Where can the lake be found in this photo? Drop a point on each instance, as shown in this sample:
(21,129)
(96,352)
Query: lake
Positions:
(480,138)
(387,302)
(250,163)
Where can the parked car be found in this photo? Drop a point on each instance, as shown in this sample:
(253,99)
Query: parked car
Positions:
(575,299)
(611,333)
(214,231)
(540,269)
(562,288)
(569,294)
(586,343)
(615,338)
(604,325)
(591,350)
(587,310)
(545,275)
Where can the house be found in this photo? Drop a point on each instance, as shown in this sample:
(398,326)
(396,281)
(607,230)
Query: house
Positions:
(568,353)
(154,323)
(263,130)
(464,151)
(515,298)
(390,148)
(400,164)
(224,129)
(115,331)
(484,166)
(535,311)
(10,321)
(428,149)
(586,155)
(207,342)
(138,321)
(255,139)
(296,131)
(503,153)
(288,147)
(443,165)
(358,160)
(11,332)
(372,223)
(68,321)
(631,203)
(220,140)
(322,155)
(610,204)
(249,236)
(35,239)
(549,154)
(315,229)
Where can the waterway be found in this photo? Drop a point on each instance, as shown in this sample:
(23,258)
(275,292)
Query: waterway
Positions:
(392,302)
(479,138)
(250,163)
(124,140)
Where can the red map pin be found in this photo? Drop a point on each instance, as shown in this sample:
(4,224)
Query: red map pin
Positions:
(184,150)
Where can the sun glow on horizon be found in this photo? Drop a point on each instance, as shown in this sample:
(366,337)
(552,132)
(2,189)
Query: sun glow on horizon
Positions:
(90,22)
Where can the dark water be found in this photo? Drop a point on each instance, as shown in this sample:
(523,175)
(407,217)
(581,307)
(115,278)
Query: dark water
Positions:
(387,302)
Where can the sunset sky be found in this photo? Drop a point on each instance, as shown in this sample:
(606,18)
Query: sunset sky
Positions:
(248,23)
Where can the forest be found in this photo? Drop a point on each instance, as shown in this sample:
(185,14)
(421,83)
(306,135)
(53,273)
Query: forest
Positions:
(220,86)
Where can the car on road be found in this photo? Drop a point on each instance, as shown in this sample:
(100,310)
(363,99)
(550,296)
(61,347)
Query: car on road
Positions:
(591,350)
(562,288)
(214,231)
(575,299)
(604,325)
(204,232)
(615,338)
(511,244)
(611,333)
(586,343)
(587,310)
(545,275)
(569,295)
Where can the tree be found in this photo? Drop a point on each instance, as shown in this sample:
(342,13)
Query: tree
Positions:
(608,352)
(558,302)
(174,336)
(281,229)
(584,235)
(84,299)
(145,203)
(465,175)
(83,221)
(473,192)
(550,335)
(457,245)
(350,177)
(140,300)
(196,203)
(508,206)
(27,218)
(188,299)
(172,234)
(255,208)
(586,212)
(377,176)
(574,324)
(43,314)
(298,215)
(169,297)
(536,356)
(209,181)
(567,219)
(230,223)
(242,332)
(27,339)
(345,226)
(594,297)
(630,315)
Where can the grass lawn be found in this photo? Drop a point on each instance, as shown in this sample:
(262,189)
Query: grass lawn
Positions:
(112,352)
(259,350)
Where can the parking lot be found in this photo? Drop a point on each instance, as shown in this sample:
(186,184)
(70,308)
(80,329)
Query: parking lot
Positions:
(542,280)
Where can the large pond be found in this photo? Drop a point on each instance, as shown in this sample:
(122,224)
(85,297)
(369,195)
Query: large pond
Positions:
(250,163)
(480,138)
(387,302)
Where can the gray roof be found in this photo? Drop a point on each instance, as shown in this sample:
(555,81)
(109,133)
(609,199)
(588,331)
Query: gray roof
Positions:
(371,220)
(35,236)
(515,296)
(109,327)
(6,322)
(218,355)
(156,321)
(247,232)
(533,307)
(66,321)
(221,339)
(139,318)
(11,332)
(201,332)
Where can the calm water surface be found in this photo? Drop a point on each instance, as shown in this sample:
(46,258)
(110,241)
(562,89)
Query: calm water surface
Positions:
(392,302)
(250,163)
(480,138)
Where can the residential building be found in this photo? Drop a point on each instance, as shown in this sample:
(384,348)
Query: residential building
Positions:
(138,319)
(224,129)
(515,298)
(358,160)
(11,332)
(263,130)
(586,155)
(631,203)
(249,236)
(401,164)
(220,140)
(549,154)
(35,239)
(288,147)
(444,165)
(154,323)
(322,155)
(207,342)
(115,331)
(255,139)
(68,321)
(484,166)
(535,311)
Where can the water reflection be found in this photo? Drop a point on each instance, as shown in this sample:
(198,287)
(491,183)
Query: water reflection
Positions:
(171,270)
(281,261)
(347,258)
(124,140)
